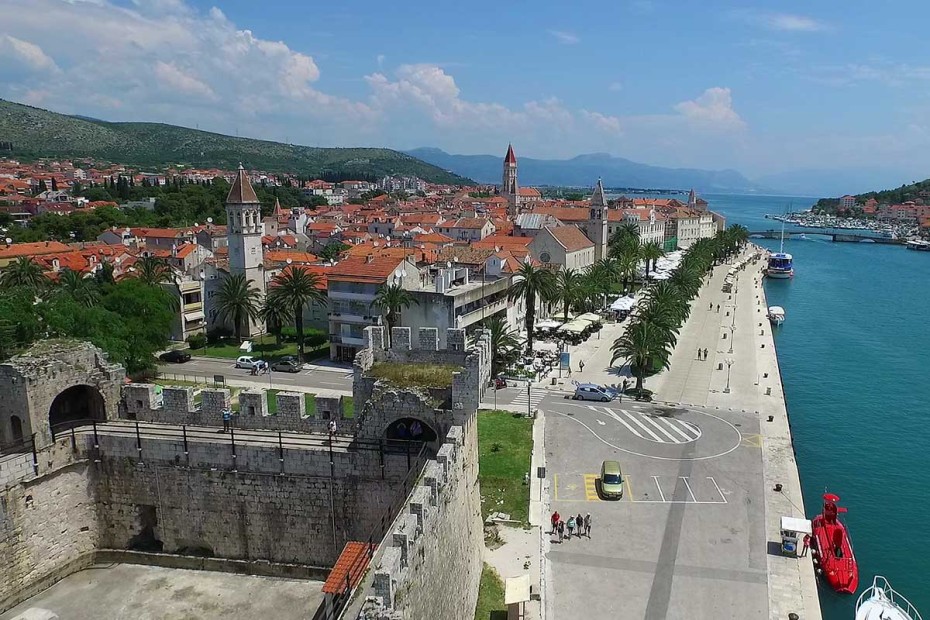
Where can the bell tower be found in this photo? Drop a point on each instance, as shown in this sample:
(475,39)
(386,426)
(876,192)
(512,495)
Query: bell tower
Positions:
(510,189)
(596,226)
(244,230)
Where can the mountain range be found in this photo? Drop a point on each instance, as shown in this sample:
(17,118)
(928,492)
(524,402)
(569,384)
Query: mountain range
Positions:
(34,132)
(584,170)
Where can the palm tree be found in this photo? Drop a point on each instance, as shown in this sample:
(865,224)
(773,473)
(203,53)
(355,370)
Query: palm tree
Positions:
(651,251)
(532,284)
(603,275)
(23,272)
(275,316)
(153,271)
(687,280)
(643,345)
(665,298)
(81,289)
(238,301)
(295,289)
(628,256)
(626,233)
(505,346)
(104,274)
(569,285)
(391,299)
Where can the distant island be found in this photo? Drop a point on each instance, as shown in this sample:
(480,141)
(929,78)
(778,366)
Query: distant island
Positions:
(29,133)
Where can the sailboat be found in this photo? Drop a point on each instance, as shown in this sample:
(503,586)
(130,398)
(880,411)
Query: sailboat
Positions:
(781,264)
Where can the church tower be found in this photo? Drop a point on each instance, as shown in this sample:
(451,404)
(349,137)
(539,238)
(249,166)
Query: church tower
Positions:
(244,230)
(510,189)
(596,226)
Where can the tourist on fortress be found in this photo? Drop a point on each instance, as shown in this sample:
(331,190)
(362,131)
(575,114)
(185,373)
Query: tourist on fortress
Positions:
(561,529)
(227,416)
(579,521)
(587,525)
(555,521)
(571,526)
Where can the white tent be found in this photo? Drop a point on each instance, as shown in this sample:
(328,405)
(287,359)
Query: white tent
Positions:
(623,304)
(548,324)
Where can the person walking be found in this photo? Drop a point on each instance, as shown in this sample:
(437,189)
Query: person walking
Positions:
(710,306)
(555,521)
(561,530)
(807,545)
(587,525)
(571,526)
(705,355)
(227,417)
(718,308)
(699,353)
(579,520)
(581,366)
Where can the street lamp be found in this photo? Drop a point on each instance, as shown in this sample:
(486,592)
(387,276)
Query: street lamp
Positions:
(732,329)
(729,362)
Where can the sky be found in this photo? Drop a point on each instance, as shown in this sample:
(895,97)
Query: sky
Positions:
(767,88)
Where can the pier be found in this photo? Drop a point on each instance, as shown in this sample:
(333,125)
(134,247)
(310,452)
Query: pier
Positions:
(838,235)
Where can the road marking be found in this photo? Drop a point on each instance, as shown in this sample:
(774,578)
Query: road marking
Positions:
(661,494)
(660,428)
(753,440)
(690,492)
(628,488)
(555,487)
(642,426)
(676,429)
(722,496)
(590,487)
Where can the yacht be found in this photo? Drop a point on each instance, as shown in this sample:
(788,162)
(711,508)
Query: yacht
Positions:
(781,264)
(881,602)
(918,244)
(776,315)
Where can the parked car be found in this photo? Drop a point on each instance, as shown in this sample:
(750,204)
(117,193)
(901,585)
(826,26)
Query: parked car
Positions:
(247,361)
(591,391)
(286,365)
(611,480)
(175,357)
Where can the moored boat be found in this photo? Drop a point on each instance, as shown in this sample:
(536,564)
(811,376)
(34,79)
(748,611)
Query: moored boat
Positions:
(918,244)
(776,315)
(882,602)
(781,266)
(833,548)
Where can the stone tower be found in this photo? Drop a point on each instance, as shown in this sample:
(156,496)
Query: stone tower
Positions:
(596,226)
(510,189)
(244,230)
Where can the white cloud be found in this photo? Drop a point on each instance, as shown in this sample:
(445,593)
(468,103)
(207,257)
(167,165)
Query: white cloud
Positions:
(713,109)
(380,58)
(175,78)
(29,53)
(602,121)
(782,22)
(566,38)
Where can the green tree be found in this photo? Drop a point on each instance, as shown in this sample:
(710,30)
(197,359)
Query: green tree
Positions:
(238,301)
(147,315)
(532,284)
(276,316)
(505,346)
(568,283)
(651,252)
(19,320)
(81,289)
(295,289)
(153,271)
(25,273)
(643,345)
(332,250)
(390,299)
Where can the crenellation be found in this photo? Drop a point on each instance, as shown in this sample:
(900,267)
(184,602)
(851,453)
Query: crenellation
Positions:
(253,403)
(177,400)
(428,339)
(400,338)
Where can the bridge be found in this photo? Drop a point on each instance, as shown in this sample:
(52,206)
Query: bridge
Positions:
(849,235)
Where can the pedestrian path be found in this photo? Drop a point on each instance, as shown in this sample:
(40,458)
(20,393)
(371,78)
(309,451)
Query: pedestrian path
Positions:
(651,427)
(533,399)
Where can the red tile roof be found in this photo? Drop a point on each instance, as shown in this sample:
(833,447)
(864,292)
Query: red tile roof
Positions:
(350,567)
(241,191)
(570,238)
(32,249)
(373,269)
(510,158)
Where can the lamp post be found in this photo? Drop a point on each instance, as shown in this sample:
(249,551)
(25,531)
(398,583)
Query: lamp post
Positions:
(732,329)
(529,405)
(729,362)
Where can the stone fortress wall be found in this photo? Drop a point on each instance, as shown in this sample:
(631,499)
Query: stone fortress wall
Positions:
(256,500)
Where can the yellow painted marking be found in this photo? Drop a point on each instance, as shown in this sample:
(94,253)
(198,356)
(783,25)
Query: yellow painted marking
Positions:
(752,440)
(590,487)
(555,487)
(627,488)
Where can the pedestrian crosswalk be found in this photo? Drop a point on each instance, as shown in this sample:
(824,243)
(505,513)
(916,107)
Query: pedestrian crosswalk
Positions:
(533,398)
(659,429)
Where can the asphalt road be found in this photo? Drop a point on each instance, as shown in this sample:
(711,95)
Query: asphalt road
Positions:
(331,379)
(687,540)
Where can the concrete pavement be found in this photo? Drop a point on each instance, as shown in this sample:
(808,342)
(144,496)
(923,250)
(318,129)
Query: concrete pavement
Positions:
(315,378)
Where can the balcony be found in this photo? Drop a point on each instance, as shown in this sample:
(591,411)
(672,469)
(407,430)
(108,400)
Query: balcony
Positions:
(478,314)
(195,306)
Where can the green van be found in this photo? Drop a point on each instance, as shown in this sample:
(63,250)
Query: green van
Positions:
(611,480)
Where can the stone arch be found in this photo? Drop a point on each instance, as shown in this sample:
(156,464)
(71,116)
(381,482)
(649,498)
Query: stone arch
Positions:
(16,429)
(75,404)
(411,429)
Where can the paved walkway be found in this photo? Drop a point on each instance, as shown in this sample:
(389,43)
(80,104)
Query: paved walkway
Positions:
(739,333)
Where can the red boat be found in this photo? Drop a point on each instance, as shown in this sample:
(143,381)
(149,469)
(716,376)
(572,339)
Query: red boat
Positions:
(833,549)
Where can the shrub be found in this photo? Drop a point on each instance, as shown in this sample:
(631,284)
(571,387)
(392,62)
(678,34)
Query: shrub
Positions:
(197,341)
(315,338)
(218,334)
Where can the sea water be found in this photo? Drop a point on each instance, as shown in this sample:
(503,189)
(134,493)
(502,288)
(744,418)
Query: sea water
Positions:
(854,354)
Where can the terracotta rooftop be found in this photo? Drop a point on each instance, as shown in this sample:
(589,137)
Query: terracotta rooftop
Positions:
(32,249)
(369,269)
(570,238)
(349,568)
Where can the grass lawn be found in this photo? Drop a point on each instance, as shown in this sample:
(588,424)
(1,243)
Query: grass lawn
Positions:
(490,596)
(272,401)
(348,407)
(411,375)
(263,347)
(505,443)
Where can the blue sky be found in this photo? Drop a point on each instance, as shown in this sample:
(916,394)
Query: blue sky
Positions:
(765,89)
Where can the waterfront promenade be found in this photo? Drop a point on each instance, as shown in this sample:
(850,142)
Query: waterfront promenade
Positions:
(699,538)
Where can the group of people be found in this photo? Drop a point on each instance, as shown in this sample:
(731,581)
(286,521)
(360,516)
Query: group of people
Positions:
(702,354)
(575,523)
(259,368)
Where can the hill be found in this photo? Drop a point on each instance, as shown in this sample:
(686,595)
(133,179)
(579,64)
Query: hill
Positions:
(34,132)
(918,192)
(584,170)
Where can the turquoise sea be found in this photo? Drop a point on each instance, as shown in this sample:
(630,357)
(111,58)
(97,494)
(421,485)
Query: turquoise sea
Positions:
(855,355)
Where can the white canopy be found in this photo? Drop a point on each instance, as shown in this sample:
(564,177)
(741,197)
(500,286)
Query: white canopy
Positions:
(543,345)
(588,316)
(548,324)
(660,275)
(623,303)
(793,524)
(776,310)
